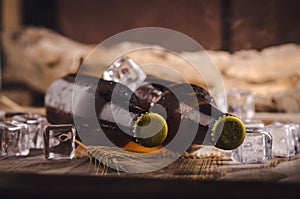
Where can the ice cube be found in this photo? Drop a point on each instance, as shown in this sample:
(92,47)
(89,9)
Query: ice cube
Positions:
(256,148)
(36,124)
(59,141)
(240,103)
(253,124)
(283,140)
(15,140)
(294,129)
(125,71)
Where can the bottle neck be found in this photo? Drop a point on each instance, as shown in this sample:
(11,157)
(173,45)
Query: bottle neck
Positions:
(148,95)
(205,116)
(147,129)
(151,90)
(118,116)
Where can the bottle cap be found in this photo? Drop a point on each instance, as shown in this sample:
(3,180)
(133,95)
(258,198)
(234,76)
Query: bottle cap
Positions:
(150,129)
(228,132)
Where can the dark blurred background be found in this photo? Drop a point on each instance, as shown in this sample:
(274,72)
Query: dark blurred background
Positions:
(216,24)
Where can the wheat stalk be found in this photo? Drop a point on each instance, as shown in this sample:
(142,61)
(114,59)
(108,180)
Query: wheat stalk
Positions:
(122,160)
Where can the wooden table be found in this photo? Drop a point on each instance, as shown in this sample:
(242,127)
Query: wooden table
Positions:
(35,176)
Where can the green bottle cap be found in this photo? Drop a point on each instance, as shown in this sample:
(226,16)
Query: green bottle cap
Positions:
(150,129)
(228,132)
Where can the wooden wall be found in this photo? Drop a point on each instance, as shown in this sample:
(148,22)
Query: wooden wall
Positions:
(216,24)
(261,23)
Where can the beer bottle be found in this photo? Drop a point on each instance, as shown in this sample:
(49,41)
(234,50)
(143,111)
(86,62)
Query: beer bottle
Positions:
(185,105)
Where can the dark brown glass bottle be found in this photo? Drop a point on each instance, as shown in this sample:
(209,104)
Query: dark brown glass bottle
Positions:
(105,100)
(146,98)
(188,106)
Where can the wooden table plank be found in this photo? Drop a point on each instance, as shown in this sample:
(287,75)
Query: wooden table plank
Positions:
(50,186)
(185,167)
(35,177)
